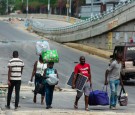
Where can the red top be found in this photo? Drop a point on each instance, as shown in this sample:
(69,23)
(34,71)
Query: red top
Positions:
(84,69)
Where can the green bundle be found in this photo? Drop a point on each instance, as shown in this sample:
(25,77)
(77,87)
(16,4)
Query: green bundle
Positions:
(50,56)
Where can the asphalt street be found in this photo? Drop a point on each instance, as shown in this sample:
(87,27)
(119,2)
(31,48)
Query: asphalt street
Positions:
(12,38)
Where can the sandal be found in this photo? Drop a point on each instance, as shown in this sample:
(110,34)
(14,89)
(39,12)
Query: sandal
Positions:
(86,109)
(75,106)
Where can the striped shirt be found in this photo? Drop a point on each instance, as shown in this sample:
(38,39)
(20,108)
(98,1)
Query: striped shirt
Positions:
(16,65)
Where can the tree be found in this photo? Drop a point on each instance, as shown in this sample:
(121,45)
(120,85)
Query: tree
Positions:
(76,6)
(3,7)
(61,4)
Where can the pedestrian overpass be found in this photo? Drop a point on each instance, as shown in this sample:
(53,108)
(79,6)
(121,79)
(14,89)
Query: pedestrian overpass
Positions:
(99,29)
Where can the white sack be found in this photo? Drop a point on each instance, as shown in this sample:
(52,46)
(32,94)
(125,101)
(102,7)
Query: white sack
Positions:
(52,80)
(42,46)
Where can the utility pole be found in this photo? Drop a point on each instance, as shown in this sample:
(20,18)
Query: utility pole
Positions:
(27,9)
(70,7)
(7,7)
(67,5)
(48,6)
(91,8)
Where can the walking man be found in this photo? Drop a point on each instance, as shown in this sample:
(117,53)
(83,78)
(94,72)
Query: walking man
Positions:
(113,73)
(15,68)
(84,69)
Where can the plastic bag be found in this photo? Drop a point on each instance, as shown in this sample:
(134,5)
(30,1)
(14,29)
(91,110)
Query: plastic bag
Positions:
(52,79)
(50,56)
(42,46)
(30,83)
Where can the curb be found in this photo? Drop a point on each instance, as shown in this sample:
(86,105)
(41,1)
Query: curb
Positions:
(65,112)
(89,49)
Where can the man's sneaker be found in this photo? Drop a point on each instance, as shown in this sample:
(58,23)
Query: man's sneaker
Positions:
(50,106)
(47,107)
(7,107)
(112,108)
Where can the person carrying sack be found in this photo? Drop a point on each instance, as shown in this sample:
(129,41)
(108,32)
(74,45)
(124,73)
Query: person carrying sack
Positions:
(113,73)
(49,87)
(38,71)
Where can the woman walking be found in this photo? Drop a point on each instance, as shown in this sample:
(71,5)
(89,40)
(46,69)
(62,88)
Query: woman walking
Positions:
(38,71)
(49,89)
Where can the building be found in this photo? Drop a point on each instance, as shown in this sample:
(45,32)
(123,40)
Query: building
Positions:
(93,7)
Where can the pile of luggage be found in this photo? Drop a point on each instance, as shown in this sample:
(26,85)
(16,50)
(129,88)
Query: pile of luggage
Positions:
(48,55)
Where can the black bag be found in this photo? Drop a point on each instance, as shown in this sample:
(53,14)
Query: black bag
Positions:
(38,75)
(39,89)
(123,98)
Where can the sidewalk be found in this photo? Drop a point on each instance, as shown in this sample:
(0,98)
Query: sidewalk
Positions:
(62,105)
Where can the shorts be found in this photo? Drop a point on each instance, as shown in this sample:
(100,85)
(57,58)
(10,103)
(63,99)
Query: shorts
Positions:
(86,90)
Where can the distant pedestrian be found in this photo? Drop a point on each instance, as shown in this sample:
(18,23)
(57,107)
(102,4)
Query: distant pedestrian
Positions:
(113,73)
(49,89)
(84,69)
(15,69)
(38,71)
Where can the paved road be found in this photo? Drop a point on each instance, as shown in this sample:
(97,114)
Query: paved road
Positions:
(53,23)
(13,39)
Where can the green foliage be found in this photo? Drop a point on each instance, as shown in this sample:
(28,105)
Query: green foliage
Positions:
(2,7)
(19,5)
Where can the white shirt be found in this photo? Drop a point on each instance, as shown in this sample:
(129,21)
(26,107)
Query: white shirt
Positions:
(40,68)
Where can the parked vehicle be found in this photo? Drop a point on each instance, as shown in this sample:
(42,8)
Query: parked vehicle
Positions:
(128,61)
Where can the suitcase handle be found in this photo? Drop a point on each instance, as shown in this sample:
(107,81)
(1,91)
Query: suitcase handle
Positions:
(104,88)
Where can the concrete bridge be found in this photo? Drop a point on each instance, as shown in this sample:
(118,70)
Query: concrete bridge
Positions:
(113,28)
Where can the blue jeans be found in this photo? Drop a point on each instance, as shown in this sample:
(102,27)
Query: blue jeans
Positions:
(49,94)
(114,87)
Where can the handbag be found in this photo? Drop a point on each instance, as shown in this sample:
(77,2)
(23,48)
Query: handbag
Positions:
(123,97)
(38,75)
(99,97)
(52,79)
(39,89)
